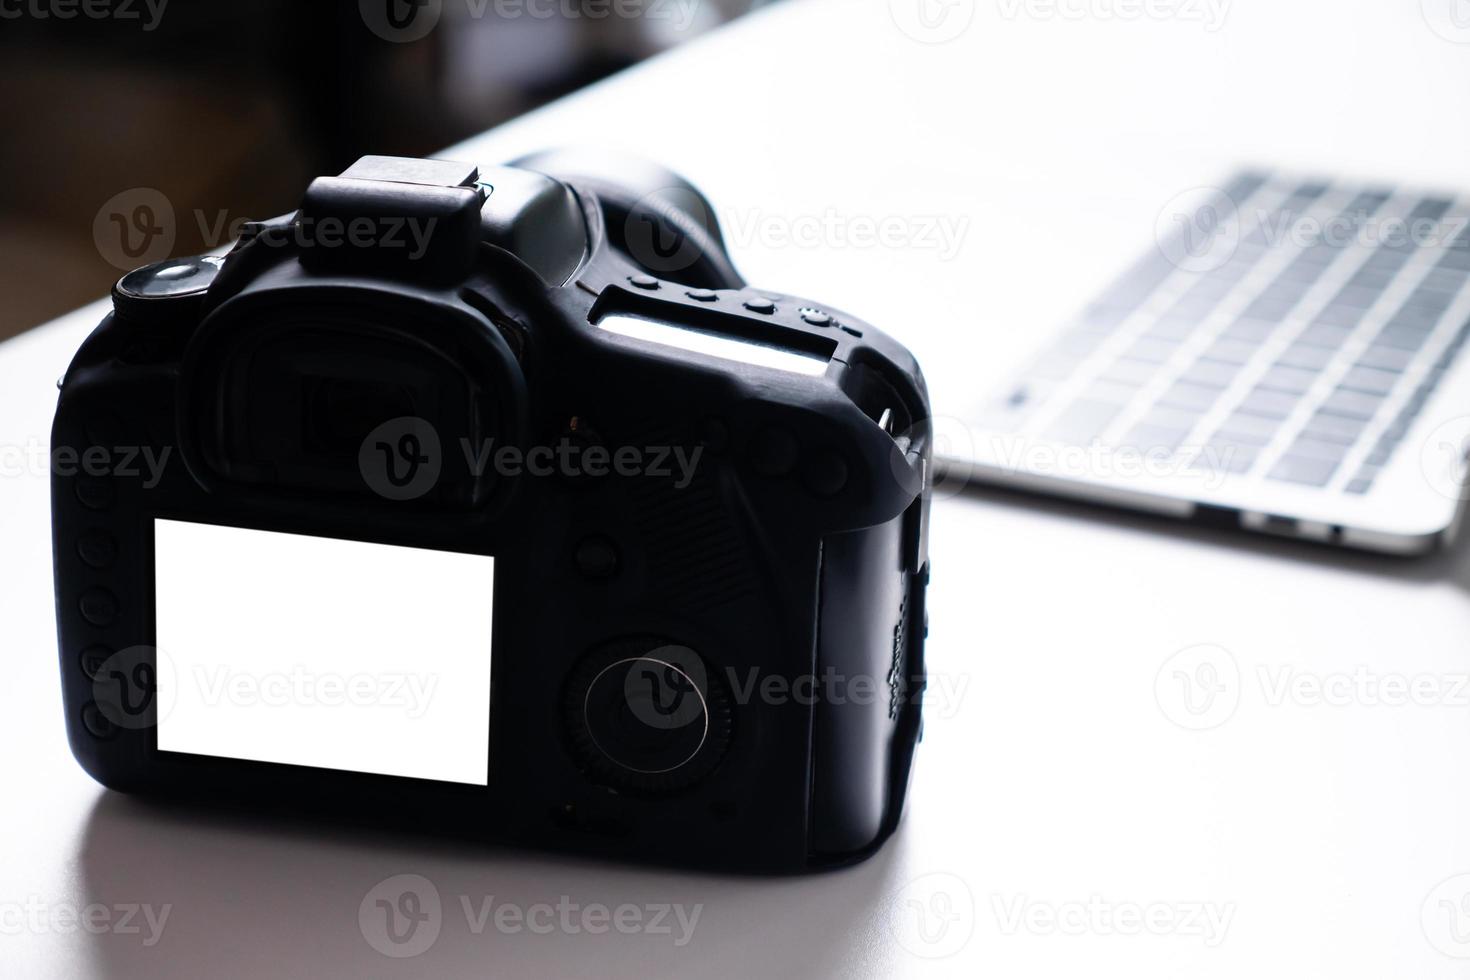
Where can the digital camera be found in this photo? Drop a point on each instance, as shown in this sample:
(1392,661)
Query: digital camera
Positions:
(493,501)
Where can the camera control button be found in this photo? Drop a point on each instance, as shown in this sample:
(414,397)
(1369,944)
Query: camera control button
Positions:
(817,318)
(760,305)
(597,557)
(703,295)
(93,658)
(94,492)
(97,548)
(98,607)
(175,286)
(644,282)
(825,474)
(96,721)
(647,715)
(171,279)
(774,452)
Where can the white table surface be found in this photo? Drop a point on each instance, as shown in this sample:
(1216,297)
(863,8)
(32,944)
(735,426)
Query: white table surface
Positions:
(1061,822)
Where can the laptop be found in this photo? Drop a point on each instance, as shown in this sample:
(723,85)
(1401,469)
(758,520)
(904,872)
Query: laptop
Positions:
(1285,357)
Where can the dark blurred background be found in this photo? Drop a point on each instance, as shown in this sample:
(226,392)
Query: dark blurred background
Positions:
(227,109)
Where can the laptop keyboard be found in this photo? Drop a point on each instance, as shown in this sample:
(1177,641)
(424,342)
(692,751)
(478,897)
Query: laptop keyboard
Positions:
(1283,331)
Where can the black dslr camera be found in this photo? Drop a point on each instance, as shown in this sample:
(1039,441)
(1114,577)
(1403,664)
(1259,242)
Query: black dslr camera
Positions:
(495,501)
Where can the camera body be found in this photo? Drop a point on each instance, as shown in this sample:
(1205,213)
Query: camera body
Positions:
(705,506)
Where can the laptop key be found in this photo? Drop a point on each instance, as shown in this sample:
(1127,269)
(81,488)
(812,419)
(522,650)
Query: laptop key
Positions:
(1171,328)
(1306,356)
(1227,457)
(1324,335)
(1404,338)
(1154,440)
(1304,470)
(1268,404)
(1271,308)
(1337,320)
(1250,428)
(1282,377)
(1151,350)
(1374,279)
(1310,448)
(1381,452)
(1081,421)
(1334,428)
(1229,351)
(1250,330)
(1188,396)
(1360,378)
(1386,358)
(1135,373)
(1353,404)
(1214,374)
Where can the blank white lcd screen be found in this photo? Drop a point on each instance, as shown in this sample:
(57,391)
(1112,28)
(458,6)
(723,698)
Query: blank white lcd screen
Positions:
(321,652)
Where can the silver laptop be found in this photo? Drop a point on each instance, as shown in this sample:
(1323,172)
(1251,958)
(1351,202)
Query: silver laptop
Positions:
(1285,358)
